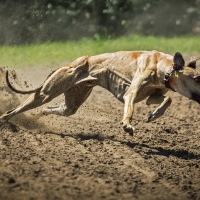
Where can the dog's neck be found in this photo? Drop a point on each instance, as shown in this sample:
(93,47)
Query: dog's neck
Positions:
(168,83)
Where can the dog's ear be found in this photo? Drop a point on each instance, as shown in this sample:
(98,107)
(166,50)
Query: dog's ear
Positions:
(179,62)
(82,67)
(192,62)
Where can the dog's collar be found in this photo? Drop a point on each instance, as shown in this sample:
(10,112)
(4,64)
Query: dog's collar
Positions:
(166,79)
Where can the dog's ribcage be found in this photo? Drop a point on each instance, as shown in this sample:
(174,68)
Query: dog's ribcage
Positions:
(116,84)
(114,72)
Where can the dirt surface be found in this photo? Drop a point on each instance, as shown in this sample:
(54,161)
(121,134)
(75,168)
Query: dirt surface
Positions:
(88,155)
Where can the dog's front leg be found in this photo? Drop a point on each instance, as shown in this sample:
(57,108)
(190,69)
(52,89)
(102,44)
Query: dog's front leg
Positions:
(128,111)
(165,103)
(130,98)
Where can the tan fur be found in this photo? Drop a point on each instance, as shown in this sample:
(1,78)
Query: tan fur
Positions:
(131,76)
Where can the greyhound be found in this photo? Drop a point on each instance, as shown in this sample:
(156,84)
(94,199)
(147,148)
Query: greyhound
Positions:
(131,76)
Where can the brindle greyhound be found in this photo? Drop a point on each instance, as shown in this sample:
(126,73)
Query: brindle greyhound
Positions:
(131,76)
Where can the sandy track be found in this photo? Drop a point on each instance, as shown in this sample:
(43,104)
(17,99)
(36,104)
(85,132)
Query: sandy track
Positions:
(88,156)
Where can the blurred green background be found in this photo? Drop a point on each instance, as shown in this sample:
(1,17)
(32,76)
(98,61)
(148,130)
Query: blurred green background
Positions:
(52,32)
(23,21)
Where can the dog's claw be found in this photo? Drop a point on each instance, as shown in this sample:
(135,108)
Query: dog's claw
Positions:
(3,118)
(129,129)
(152,116)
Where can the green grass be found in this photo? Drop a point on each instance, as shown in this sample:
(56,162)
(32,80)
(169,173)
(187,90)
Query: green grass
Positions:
(55,53)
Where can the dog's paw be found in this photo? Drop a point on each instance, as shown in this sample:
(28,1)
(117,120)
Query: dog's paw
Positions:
(128,128)
(152,116)
(45,111)
(3,118)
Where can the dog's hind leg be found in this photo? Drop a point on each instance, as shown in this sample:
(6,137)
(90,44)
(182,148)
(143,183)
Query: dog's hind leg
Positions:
(56,110)
(158,98)
(35,100)
(74,98)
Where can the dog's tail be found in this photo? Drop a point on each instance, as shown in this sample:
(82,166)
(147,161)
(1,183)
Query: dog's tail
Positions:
(25,91)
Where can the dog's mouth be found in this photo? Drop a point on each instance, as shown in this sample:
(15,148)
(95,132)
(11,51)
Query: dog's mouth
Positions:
(196,97)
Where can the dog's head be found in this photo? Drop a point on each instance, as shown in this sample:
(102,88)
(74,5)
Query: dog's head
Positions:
(186,77)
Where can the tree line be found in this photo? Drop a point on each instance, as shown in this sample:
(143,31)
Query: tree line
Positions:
(23,21)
